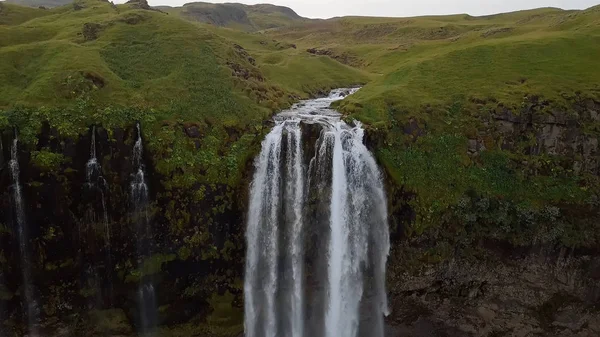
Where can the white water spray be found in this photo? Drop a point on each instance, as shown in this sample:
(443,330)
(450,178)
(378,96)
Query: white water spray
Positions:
(96,183)
(20,223)
(147,310)
(342,174)
(95,180)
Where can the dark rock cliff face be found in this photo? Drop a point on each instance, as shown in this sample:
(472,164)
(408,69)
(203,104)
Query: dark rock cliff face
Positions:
(452,280)
(79,280)
(441,282)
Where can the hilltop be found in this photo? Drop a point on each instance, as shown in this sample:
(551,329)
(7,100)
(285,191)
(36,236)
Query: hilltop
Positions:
(232,15)
(238,16)
(40,3)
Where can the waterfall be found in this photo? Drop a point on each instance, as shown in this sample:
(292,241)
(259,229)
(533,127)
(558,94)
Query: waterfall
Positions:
(20,224)
(96,183)
(146,295)
(347,184)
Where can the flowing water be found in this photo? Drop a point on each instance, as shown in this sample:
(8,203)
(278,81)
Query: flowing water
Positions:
(146,295)
(95,180)
(338,199)
(20,225)
(97,188)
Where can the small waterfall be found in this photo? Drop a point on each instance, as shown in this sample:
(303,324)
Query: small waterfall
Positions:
(140,199)
(96,183)
(347,184)
(2,279)
(20,223)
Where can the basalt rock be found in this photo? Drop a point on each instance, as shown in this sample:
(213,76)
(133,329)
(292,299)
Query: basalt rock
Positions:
(541,292)
(78,290)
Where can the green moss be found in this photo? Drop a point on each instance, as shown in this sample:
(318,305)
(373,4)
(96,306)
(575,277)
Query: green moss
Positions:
(150,266)
(184,253)
(46,160)
(224,315)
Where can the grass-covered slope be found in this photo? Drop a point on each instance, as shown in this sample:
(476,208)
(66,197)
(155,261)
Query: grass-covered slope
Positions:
(432,60)
(488,123)
(237,16)
(40,3)
(11,14)
(94,63)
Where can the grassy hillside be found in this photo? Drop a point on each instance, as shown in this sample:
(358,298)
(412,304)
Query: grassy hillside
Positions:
(91,62)
(439,92)
(443,90)
(40,3)
(238,16)
(11,14)
(430,60)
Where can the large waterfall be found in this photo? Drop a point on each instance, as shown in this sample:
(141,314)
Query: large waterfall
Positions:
(140,202)
(20,225)
(337,197)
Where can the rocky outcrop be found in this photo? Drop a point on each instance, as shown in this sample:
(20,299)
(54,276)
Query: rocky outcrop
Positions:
(508,292)
(554,133)
(345,57)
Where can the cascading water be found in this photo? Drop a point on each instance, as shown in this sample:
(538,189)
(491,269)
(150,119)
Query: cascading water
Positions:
(94,179)
(140,198)
(346,183)
(20,226)
(97,187)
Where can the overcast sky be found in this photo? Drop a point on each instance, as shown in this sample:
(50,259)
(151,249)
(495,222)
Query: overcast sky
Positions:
(331,8)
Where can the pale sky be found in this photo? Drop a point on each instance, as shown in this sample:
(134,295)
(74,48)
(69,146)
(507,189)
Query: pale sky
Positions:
(403,8)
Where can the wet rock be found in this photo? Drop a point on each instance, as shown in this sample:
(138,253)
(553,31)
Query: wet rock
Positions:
(499,296)
(141,4)
(413,129)
(570,318)
(193,132)
(475,146)
(486,314)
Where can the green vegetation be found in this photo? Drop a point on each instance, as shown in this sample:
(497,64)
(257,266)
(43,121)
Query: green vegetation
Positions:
(202,78)
(487,127)
(46,160)
(431,61)
(94,63)
(437,85)
(237,16)
(40,3)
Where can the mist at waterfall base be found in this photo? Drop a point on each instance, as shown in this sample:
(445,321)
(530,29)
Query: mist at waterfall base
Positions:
(317,232)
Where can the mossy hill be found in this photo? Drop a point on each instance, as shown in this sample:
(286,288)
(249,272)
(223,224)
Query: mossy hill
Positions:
(238,16)
(501,108)
(92,62)
(40,3)
(232,15)
(440,83)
